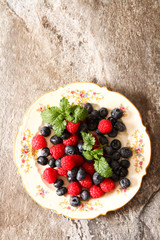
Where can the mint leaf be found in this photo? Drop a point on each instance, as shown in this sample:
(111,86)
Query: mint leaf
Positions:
(79,113)
(88,155)
(64,104)
(69,117)
(50,114)
(59,125)
(97,152)
(102,167)
(89,140)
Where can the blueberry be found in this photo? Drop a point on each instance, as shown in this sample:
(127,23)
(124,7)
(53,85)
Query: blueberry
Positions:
(75,201)
(103,140)
(113,120)
(98,132)
(120,126)
(80,148)
(126,152)
(92,122)
(115,177)
(117,113)
(42,160)
(77,151)
(88,106)
(81,174)
(61,191)
(55,140)
(109,160)
(50,126)
(108,150)
(103,112)
(116,144)
(65,135)
(71,179)
(115,165)
(116,156)
(58,183)
(45,131)
(125,183)
(97,179)
(95,113)
(70,150)
(51,163)
(58,162)
(72,172)
(85,195)
(125,163)
(113,133)
(123,172)
(45,152)
(83,127)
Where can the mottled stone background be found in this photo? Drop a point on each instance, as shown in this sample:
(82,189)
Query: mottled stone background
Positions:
(47,44)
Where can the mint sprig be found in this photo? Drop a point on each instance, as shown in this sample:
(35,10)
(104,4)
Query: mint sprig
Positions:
(89,141)
(102,167)
(57,116)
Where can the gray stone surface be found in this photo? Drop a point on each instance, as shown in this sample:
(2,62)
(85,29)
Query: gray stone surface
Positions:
(46,44)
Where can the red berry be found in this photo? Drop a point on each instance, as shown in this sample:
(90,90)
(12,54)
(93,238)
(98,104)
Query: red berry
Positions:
(107,185)
(95,191)
(74,188)
(88,167)
(57,151)
(50,175)
(72,140)
(67,162)
(72,127)
(38,142)
(62,171)
(105,126)
(78,159)
(87,182)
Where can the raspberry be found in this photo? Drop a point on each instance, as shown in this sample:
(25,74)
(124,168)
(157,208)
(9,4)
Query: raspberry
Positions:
(95,191)
(72,140)
(107,185)
(62,171)
(105,126)
(87,182)
(88,167)
(57,151)
(38,142)
(78,159)
(72,127)
(67,162)
(74,188)
(50,175)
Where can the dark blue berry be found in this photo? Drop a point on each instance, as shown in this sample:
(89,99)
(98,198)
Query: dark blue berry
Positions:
(42,160)
(116,156)
(108,150)
(71,179)
(45,131)
(72,172)
(51,163)
(81,174)
(83,127)
(113,133)
(70,150)
(103,140)
(55,140)
(109,160)
(120,126)
(123,172)
(125,163)
(65,135)
(58,162)
(80,148)
(125,183)
(85,195)
(115,165)
(45,152)
(126,152)
(113,120)
(88,106)
(115,177)
(58,183)
(92,122)
(117,113)
(97,179)
(61,191)
(98,132)
(116,144)
(75,201)
(95,113)
(103,112)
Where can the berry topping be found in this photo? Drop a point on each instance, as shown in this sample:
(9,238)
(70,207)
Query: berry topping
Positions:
(57,151)
(70,150)
(58,162)
(126,152)
(92,122)
(88,106)
(116,156)
(113,133)
(65,134)
(125,183)
(125,163)
(42,160)
(88,167)
(103,112)
(58,183)
(67,162)
(51,163)
(75,201)
(45,131)
(55,140)
(105,126)
(108,150)
(120,126)
(72,140)
(78,159)
(81,174)
(116,144)
(72,127)
(86,182)
(38,142)
(103,140)
(74,188)
(50,175)
(85,195)
(107,185)
(97,179)
(45,152)
(95,191)
(117,113)
(123,172)
(62,171)
(61,191)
